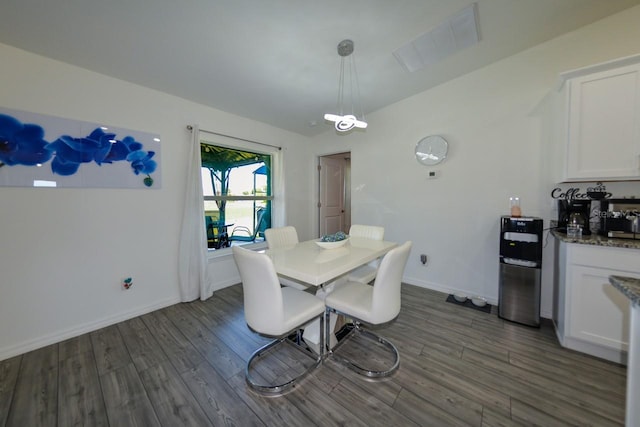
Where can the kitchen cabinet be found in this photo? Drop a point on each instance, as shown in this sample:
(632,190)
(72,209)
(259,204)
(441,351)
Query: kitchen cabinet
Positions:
(600,116)
(590,315)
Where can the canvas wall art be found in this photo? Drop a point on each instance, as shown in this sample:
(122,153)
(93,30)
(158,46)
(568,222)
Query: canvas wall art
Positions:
(44,151)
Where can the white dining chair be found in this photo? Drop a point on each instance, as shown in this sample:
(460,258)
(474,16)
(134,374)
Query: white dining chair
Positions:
(274,311)
(373,305)
(365,273)
(281,237)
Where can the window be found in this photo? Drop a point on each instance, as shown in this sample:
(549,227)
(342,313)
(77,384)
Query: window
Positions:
(237,190)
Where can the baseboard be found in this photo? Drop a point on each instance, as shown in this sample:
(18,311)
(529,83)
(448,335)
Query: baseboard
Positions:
(440,288)
(34,344)
(225,284)
(596,350)
(447,290)
(546,314)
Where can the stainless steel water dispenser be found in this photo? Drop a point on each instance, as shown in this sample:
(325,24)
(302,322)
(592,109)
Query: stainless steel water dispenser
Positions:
(520,269)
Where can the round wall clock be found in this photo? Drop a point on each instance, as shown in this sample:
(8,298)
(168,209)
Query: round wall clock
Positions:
(431,150)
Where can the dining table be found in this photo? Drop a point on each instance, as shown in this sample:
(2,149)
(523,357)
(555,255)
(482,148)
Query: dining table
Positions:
(316,266)
(325,269)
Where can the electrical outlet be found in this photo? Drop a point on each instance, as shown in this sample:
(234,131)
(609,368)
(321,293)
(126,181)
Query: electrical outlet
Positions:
(433,174)
(423,259)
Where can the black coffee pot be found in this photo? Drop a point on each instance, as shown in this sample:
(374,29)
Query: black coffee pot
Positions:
(572,208)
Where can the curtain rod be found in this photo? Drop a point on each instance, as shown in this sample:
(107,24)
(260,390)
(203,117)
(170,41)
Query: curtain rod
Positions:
(190,128)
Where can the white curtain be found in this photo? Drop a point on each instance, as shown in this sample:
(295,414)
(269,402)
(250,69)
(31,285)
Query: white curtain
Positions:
(278,208)
(192,259)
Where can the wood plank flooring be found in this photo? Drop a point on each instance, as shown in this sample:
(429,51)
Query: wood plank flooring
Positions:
(184,366)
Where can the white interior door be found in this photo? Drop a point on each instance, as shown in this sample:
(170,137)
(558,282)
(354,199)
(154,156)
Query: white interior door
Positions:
(332,195)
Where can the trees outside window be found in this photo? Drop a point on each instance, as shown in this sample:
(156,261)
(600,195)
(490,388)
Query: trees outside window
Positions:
(237,191)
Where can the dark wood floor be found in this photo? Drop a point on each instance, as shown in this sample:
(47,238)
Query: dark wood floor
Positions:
(184,366)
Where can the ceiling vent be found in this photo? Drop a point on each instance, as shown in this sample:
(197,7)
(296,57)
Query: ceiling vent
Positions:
(458,32)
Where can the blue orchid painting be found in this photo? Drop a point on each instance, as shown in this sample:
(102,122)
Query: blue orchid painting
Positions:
(24,144)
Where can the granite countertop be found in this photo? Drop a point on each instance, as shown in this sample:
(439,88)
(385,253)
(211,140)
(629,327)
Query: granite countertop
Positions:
(597,240)
(628,286)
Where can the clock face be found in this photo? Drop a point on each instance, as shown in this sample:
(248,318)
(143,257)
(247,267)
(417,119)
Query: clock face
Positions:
(431,150)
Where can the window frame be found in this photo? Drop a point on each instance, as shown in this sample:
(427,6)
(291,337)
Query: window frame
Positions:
(277,189)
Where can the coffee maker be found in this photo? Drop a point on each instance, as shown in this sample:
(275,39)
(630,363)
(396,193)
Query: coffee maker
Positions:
(572,207)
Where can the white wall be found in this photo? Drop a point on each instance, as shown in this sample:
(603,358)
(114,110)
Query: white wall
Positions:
(63,252)
(492,121)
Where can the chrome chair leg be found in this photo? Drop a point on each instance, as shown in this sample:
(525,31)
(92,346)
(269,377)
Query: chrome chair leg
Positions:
(353,365)
(279,389)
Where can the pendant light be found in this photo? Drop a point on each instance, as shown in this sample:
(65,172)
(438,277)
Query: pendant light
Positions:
(346,122)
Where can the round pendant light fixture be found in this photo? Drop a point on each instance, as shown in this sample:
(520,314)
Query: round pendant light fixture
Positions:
(346,122)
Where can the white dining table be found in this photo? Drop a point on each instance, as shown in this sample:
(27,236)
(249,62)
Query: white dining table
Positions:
(309,263)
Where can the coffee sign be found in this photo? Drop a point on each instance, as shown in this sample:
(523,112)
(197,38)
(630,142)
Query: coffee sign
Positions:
(597,192)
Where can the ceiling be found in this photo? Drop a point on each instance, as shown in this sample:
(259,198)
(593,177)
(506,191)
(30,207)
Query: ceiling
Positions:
(276,61)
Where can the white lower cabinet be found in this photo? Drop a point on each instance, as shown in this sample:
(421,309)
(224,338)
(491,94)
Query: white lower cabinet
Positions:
(599,312)
(592,316)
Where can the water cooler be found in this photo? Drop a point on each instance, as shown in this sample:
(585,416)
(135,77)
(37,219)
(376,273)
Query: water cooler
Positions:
(520,269)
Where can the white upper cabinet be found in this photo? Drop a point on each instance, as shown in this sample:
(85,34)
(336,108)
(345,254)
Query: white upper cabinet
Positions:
(602,122)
